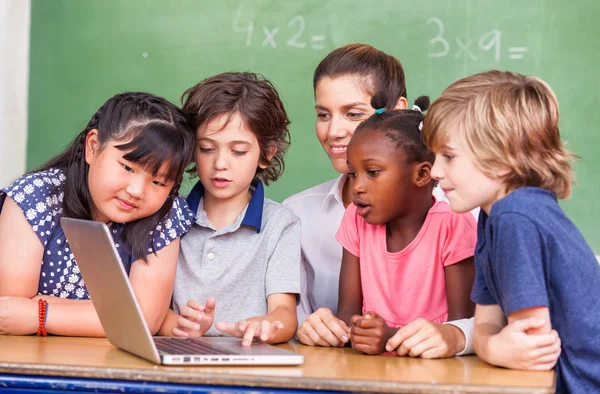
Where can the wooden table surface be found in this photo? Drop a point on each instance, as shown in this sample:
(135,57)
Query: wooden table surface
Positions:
(323,369)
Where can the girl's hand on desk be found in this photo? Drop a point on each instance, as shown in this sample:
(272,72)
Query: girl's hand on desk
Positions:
(422,338)
(369,333)
(195,319)
(261,329)
(514,348)
(323,328)
(18,316)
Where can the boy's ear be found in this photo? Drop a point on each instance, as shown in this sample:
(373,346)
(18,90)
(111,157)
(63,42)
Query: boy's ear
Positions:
(422,174)
(92,144)
(272,151)
(501,172)
(401,103)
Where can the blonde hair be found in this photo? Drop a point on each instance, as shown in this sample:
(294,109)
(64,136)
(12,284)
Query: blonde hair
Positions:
(506,120)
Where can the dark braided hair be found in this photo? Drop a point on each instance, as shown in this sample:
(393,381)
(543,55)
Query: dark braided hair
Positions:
(157,132)
(402,128)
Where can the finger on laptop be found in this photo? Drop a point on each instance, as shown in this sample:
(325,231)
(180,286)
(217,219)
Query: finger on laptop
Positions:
(268,329)
(265,330)
(251,328)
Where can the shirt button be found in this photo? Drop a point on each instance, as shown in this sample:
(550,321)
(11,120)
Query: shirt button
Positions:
(211,256)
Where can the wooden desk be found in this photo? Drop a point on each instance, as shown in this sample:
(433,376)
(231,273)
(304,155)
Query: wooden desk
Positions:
(56,359)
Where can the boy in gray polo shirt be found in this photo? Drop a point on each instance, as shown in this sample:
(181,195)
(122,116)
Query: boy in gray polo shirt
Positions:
(242,255)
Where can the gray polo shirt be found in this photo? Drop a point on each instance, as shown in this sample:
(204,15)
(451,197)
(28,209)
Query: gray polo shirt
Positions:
(241,264)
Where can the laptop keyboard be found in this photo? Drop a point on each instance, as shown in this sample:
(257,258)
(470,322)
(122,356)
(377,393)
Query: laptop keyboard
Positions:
(169,345)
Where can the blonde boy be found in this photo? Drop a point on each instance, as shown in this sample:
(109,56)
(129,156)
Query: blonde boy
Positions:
(498,146)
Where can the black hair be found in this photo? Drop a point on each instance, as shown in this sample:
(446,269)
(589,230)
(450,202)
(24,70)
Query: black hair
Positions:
(157,132)
(402,127)
(382,74)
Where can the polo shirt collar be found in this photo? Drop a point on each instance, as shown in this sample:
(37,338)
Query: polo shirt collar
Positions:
(254,212)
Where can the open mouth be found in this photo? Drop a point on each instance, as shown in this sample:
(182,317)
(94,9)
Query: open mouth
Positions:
(220,182)
(362,208)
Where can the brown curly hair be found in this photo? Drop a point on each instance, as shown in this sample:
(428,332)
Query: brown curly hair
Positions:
(256,100)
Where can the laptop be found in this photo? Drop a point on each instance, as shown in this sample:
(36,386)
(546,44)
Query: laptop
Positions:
(122,319)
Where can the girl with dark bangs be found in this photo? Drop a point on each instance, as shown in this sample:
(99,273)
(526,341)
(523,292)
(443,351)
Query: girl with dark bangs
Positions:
(123,169)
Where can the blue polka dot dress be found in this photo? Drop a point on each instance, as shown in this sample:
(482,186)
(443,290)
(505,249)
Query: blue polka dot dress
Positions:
(40,196)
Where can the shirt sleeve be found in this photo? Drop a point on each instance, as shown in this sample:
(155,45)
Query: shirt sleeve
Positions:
(519,261)
(177,222)
(347,234)
(461,237)
(40,197)
(304,308)
(480,293)
(466,326)
(283,270)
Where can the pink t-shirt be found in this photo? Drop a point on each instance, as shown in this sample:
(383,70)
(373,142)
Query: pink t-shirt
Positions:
(409,284)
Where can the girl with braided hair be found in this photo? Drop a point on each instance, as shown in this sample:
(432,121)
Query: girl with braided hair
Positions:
(123,169)
(398,240)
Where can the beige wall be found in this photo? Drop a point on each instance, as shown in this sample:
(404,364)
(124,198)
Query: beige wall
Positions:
(14,72)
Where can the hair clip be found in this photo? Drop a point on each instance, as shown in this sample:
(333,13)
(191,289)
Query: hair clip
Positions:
(415,107)
(379,111)
(421,126)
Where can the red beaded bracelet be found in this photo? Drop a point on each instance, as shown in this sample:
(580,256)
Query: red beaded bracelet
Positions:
(43,309)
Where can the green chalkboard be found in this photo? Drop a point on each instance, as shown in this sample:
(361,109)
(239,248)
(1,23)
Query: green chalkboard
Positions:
(83,52)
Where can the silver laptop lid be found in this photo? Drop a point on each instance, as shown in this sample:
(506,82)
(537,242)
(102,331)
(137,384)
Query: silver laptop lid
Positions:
(109,288)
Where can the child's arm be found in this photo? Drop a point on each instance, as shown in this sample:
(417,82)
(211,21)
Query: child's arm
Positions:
(527,342)
(350,299)
(21,253)
(153,282)
(304,308)
(277,327)
(539,314)
(459,282)
(489,321)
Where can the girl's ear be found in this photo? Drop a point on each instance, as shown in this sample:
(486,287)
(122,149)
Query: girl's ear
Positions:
(401,103)
(92,144)
(422,174)
(272,151)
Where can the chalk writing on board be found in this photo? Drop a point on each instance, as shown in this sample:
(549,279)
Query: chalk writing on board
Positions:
(470,47)
(293,35)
